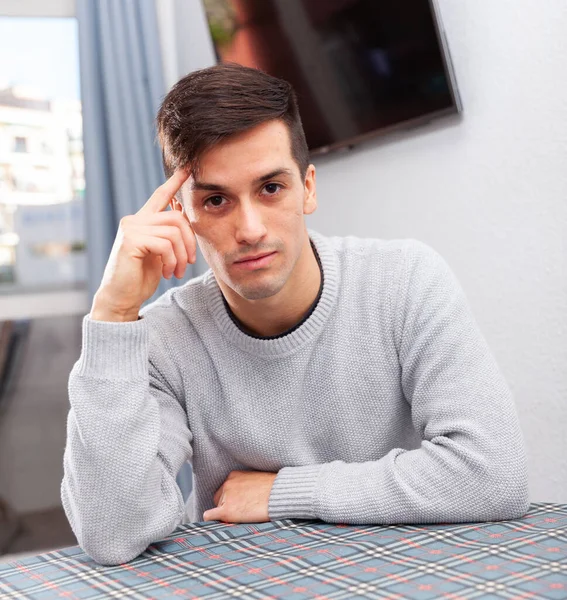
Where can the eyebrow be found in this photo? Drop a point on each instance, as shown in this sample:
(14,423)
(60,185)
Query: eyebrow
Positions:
(214,187)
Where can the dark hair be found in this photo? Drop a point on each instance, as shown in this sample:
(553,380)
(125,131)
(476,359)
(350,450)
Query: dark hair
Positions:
(209,105)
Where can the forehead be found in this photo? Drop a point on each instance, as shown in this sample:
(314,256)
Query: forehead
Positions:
(248,155)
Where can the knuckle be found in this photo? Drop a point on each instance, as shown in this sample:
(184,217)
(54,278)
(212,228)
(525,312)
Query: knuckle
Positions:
(172,230)
(125,221)
(168,250)
(177,234)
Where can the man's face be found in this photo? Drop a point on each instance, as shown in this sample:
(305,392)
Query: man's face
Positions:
(249,200)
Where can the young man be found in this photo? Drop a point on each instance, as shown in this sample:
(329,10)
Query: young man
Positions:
(339,379)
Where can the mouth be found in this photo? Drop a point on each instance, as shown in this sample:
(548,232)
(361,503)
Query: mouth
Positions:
(256,257)
(255,262)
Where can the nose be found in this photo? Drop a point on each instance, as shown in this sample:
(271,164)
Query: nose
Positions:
(250,228)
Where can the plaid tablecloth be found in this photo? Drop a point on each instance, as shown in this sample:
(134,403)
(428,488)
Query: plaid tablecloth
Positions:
(295,559)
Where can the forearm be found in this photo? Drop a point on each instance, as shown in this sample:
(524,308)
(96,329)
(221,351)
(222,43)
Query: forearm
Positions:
(442,481)
(123,453)
(472,463)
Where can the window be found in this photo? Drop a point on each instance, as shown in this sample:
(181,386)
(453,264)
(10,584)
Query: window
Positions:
(42,183)
(39,193)
(20,144)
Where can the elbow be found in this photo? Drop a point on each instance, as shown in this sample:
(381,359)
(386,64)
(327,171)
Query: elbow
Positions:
(110,543)
(507,496)
(113,540)
(503,488)
(516,499)
(103,540)
(108,553)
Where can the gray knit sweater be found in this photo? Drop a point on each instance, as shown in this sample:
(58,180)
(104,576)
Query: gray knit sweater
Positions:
(385,406)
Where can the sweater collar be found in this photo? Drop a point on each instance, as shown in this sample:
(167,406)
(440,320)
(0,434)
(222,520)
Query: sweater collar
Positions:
(294,327)
(286,343)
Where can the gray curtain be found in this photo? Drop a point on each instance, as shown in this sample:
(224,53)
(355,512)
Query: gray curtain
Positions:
(121,87)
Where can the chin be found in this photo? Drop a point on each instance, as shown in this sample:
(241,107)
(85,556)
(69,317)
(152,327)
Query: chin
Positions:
(259,290)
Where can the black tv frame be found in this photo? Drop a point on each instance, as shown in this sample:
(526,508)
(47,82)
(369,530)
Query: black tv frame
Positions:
(455,109)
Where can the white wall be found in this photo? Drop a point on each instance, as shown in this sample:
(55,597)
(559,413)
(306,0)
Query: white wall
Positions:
(490,194)
(185,41)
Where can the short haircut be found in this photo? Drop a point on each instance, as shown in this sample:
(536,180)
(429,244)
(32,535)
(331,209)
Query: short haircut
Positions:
(209,105)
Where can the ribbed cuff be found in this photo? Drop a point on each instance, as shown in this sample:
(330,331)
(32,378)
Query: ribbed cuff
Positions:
(293,493)
(114,350)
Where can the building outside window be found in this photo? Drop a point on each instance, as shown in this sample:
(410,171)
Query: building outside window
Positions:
(20,144)
(42,184)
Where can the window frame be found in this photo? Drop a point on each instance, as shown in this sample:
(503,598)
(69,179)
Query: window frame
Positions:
(38,8)
(34,305)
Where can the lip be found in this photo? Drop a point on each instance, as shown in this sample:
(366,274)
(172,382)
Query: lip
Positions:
(258,256)
(256,262)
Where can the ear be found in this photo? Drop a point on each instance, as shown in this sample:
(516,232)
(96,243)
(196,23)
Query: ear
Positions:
(310,197)
(175,204)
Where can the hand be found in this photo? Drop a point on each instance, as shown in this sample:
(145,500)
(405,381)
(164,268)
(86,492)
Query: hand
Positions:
(242,498)
(149,244)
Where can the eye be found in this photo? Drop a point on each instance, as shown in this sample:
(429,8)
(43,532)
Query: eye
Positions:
(214,201)
(272,188)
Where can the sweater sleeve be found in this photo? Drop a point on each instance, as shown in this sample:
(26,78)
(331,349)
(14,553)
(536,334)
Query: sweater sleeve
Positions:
(127,438)
(471,464)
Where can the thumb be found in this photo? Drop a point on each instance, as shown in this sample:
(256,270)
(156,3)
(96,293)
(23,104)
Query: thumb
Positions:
(214,514)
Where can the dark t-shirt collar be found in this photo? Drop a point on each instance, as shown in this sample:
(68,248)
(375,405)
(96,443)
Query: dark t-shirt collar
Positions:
(291,329)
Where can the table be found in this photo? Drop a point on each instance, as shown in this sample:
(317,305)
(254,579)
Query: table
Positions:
(300,559)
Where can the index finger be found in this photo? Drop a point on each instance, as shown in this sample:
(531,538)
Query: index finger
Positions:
(159,200)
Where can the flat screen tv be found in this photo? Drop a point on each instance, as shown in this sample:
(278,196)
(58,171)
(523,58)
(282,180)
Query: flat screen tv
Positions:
(361,68)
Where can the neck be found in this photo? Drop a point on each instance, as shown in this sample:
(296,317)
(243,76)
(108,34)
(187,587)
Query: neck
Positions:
(272,316)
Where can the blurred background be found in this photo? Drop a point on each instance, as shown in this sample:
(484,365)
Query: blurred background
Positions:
(445,122)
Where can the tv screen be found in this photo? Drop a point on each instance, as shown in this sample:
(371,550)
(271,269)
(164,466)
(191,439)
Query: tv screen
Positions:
(360,68)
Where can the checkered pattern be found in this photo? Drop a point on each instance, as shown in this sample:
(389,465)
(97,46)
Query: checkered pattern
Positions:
(295,559)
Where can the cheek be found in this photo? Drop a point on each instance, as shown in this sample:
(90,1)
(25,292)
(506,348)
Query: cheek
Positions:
(211,241)
(207,245)
(202,233)
(195,220)
(211,253)
(207,231)
(290,212)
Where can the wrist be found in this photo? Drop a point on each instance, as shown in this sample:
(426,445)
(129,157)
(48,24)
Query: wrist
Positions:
(105,310)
